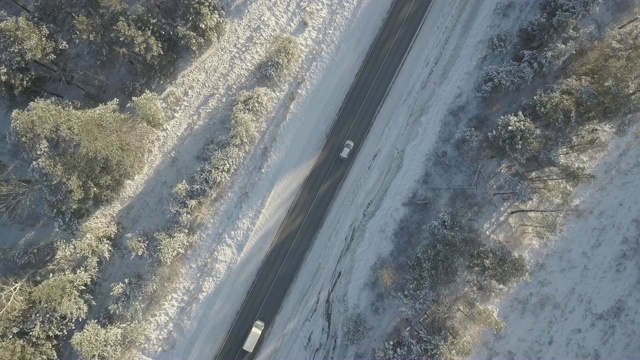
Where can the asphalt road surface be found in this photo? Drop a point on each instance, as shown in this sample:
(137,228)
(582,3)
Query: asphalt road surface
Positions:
(306,215)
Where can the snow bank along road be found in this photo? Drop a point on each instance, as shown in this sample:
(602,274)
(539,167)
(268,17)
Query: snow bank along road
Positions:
(307,213)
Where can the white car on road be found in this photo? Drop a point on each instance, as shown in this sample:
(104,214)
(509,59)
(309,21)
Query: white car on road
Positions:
(346,150)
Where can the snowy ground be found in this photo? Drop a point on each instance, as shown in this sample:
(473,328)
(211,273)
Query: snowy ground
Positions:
(225,262)
(333,282)
(389,162)
(583,297)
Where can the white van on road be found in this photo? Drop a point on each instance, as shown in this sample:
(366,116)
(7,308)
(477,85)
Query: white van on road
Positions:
(254,336)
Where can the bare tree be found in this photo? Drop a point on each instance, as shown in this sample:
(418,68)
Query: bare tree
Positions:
(14,296)
(15,198)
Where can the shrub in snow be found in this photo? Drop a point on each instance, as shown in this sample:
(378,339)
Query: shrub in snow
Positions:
(186,198)
(516,136)
(503,8)
(499,264)
(282,59)
(400,349)
(501,43)
(386,274)
(248,119)
(456,348)
(122,305)
(148,109)
(255,103)
(137,245)
(170,245)
(467,139)
(225,156)
(355,328)
(245,131)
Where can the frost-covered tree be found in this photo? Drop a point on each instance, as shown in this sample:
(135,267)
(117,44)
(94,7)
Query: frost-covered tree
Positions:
(436,264)
(140,38)
(63,294)
(81,156)
(97,341)
(85,29)
(21,349)
(92,242)
(533,33)
(201,21)
(606,79)
(573,175)
(563,14)
(44,308)
(556,107)
(112,6)
(516,136)
(499,264)
(507,76)
(26,52)
(558,21)
(516,188)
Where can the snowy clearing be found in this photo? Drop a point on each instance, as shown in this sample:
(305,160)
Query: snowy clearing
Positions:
(557,313)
